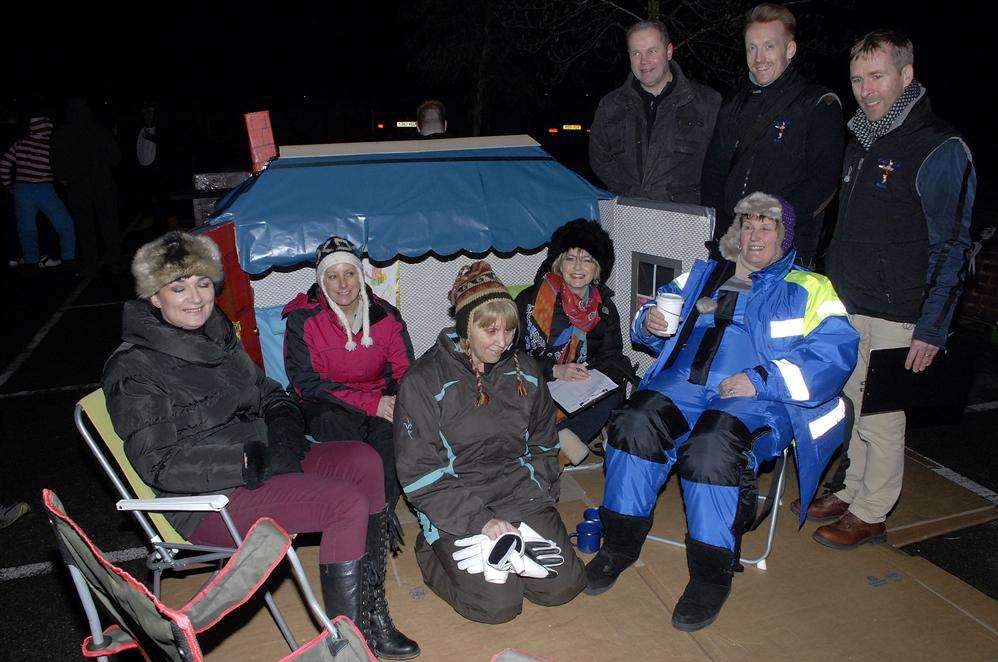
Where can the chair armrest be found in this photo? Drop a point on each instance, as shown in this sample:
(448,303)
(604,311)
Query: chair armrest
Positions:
(203,503)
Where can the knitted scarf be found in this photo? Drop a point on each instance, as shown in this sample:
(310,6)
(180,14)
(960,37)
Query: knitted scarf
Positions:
(866,131)
(583,316)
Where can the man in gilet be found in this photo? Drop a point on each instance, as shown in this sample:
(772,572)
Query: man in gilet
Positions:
(903,230)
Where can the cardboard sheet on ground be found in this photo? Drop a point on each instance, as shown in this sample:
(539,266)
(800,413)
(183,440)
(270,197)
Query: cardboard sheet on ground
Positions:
(812,603)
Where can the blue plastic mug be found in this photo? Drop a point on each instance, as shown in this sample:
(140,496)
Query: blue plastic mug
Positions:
(587,536)
(591,515)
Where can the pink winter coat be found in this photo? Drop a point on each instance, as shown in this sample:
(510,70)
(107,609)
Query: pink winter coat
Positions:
(319,367)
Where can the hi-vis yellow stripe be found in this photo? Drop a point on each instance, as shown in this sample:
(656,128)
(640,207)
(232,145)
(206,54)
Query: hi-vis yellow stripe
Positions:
(822,301)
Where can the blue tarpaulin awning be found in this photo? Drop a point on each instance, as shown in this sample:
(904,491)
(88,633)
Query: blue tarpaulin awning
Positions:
(406,203)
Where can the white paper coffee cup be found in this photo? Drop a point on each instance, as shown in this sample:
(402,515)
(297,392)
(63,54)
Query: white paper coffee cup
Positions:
(671,307)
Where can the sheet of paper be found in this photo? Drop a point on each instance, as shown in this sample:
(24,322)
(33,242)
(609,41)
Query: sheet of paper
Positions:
(573,396)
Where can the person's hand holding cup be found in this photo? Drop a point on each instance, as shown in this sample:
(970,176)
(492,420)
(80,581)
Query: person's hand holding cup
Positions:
(663,319)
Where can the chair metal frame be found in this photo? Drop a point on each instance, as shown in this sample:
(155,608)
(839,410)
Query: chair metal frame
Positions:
(167,544)
(758,561)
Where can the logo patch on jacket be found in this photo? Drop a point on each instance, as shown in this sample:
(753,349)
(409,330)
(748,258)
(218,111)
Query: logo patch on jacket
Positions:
(781,125)
(887,168)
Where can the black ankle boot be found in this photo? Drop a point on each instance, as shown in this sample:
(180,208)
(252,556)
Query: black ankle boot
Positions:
(623,536)
(383,637)
(344,591)
(711,569)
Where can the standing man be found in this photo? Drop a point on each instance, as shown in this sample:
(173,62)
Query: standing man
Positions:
(650,135)
(779,133)
(431,119)
(902,233)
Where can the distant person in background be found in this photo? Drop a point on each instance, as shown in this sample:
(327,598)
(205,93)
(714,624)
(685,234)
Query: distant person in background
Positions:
(650,135)
(25,171)
(779,133)
(84,154)
(431,119)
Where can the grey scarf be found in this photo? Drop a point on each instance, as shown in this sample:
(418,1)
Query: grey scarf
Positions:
(866,131)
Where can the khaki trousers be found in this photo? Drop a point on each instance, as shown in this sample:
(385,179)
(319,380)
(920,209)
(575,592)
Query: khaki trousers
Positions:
(876,448)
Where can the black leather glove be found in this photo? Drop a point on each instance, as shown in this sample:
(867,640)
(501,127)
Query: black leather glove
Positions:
(254,464)
(286,429)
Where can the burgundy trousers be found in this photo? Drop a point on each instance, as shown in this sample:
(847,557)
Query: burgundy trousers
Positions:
(341,484)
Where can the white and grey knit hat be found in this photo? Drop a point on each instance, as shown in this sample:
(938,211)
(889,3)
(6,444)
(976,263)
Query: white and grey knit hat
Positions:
(333,251)
(172,256)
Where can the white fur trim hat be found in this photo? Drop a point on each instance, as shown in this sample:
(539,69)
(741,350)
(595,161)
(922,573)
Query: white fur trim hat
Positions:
(333,251)
(172,256)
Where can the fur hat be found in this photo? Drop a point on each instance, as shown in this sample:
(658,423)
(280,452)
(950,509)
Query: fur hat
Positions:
(763,204)
(475,284)
(587,235)
(333,251)
(172,256)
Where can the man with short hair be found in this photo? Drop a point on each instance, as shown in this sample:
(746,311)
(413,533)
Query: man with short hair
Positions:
(780,133)
(431,119)
(899,246)
(650,135)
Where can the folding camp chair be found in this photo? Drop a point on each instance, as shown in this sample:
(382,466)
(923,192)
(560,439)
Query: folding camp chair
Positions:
(143,622)
(771,508)
(170,550)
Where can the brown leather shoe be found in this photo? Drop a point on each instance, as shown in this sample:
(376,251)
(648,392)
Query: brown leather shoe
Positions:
(826,508)
(850,532)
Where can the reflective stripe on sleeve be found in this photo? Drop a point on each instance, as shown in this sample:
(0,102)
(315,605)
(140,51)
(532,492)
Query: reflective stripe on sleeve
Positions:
(831,308)
(786,328)
(794,379)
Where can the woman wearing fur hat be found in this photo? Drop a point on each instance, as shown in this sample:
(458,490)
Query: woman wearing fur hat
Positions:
(570,325)
(345,351)
(199,417)
(477,455)
(762,351)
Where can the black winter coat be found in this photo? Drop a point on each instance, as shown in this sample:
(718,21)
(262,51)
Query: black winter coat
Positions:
(667,165)
(784,139)
(185,403)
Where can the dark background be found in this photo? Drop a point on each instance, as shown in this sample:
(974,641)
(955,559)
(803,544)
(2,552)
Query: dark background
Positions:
(332,75)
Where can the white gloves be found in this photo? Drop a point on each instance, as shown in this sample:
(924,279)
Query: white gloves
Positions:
(527,554)
(493,558)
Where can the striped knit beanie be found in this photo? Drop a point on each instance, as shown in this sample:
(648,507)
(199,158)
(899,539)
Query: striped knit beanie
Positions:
(333,251)
(476,283)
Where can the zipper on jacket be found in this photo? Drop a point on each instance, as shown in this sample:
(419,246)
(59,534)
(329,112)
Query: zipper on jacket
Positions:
(859,167)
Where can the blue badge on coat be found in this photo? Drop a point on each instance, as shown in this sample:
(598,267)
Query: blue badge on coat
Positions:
(887,168)
(781,126)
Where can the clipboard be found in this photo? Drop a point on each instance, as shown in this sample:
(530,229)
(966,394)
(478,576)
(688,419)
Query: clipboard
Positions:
(890,387)
(573,396)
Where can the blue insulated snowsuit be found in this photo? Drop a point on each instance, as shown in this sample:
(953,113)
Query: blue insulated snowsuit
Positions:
(789,334)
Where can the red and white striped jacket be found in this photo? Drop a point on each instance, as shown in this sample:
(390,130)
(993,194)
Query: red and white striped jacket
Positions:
(27,160)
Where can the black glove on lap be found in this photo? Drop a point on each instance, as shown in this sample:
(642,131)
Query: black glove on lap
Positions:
(255,464)
(286,428)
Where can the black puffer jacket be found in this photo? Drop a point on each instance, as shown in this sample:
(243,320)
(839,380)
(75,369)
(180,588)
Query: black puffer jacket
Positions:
(462,465)
(185,403)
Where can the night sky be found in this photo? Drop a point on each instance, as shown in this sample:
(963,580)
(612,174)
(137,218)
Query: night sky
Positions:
(354,65)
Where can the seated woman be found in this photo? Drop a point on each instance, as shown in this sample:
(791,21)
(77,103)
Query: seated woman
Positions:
(347,389)
(199,417)
(571,326)
(762,351)
(476,446)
